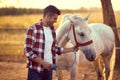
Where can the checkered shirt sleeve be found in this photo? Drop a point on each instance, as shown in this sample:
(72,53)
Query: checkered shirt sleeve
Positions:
(29,44)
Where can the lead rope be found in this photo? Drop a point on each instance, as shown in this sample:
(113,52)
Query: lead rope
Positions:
(54,66)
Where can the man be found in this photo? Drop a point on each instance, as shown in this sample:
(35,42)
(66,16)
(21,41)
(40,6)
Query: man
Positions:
(41,46)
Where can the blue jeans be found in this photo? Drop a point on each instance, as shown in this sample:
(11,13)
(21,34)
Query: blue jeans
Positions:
(43,75)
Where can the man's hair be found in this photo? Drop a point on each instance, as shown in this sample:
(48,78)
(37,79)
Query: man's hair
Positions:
(51,10)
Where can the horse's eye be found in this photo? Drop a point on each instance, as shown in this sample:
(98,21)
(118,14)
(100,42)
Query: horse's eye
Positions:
(81,34)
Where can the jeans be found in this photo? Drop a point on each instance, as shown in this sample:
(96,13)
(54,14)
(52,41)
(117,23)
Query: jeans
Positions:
(43,75)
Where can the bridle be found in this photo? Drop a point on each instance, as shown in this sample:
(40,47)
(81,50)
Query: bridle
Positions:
(76,42)
(77,45)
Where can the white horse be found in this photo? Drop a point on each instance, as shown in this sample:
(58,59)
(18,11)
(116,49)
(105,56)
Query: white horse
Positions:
(94,40)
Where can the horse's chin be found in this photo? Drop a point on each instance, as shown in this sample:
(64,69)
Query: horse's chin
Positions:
(90,59)
(89,55)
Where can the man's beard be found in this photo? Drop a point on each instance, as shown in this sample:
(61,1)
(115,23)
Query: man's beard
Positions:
(50,24)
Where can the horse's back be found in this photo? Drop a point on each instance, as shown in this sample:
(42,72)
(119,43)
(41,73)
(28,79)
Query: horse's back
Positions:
(105,35)
(102,30)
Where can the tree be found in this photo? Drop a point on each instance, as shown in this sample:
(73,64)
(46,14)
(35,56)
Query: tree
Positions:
(109,19)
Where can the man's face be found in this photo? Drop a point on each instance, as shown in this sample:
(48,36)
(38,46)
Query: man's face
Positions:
(51,19)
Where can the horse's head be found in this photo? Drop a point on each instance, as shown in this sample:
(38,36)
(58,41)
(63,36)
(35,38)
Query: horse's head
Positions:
(80,35)
(77,30)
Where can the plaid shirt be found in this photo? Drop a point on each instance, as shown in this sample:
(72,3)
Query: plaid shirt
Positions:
(35,44)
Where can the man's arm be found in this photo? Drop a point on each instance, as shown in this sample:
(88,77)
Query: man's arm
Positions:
(65,50)
(28,51)
(28,47)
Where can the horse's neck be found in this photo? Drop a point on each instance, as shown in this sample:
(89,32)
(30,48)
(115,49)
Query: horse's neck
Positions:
(61,31)
(62,42)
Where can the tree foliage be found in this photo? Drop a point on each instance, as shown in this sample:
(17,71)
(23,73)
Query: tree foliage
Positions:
(21,11)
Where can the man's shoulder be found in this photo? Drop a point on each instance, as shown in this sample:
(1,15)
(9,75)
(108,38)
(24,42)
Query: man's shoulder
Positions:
(34,26)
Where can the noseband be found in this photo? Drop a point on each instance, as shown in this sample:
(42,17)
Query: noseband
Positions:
(77,43)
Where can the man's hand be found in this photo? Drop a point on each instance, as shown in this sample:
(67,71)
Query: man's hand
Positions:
(46,65)
(75,48)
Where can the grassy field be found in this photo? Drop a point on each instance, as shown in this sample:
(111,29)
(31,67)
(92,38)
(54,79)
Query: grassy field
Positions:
(14,28)
(24,21)
(12,37)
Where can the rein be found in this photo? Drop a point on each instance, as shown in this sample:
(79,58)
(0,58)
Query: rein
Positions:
(77,43)
(54,66)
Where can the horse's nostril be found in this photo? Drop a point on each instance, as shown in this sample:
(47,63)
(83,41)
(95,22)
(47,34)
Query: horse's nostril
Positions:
(92,58)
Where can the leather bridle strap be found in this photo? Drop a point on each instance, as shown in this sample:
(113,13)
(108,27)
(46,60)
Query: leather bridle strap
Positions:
(79,44)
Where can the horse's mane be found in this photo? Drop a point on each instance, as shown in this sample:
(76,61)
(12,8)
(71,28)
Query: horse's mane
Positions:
(66,21)
(61,30)
(65,17)
(68,17)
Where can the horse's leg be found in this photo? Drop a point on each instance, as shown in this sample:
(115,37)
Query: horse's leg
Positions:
(106,59)
(60,75)
(99,68)
(62,42)
(74,72)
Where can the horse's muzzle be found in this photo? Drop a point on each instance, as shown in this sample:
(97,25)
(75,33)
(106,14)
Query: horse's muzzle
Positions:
(90,55)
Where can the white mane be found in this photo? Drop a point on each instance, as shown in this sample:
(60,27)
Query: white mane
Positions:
(67,17)
(72,18)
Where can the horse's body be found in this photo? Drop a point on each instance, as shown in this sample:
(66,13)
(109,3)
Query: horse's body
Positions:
(103,41)
(94,40)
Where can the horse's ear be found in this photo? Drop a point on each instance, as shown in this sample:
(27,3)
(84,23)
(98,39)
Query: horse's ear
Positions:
(86,17)
(72,17)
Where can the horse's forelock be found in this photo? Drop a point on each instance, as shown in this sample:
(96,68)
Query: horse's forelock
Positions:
(69,17)
(65,18)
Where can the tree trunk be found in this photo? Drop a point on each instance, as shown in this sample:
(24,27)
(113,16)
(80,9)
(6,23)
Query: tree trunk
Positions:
(109,19)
